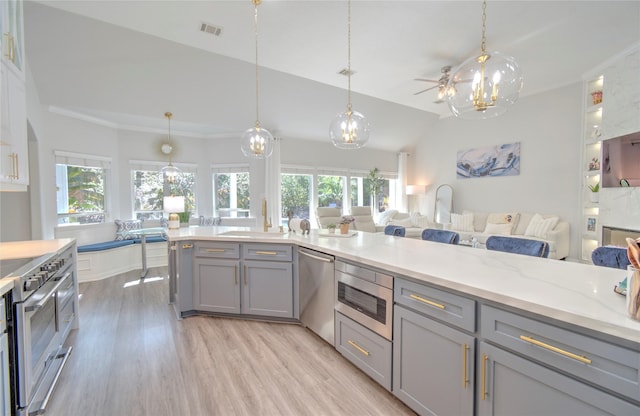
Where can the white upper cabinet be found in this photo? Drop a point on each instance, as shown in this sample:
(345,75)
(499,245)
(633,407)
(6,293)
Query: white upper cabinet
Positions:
(14,157)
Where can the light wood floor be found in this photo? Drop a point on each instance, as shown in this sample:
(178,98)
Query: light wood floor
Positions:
(131,356)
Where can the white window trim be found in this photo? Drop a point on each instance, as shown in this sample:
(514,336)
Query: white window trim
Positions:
(62,157)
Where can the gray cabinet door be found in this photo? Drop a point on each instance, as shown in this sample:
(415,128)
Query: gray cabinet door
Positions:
(216,285)
(267,289)
(433,365)
(511,385)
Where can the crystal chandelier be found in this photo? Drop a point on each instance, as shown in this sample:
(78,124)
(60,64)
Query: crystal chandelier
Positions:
(257,142)
(349,130)
(486,85)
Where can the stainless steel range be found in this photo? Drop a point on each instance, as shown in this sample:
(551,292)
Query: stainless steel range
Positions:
(44,309)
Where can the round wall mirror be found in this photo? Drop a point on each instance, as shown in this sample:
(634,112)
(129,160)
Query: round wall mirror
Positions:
(443,205)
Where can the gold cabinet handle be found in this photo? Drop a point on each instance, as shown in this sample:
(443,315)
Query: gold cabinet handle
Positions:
(245,274)
(465,380)
(215,250)
(187,246)
(235,274)
(428,302)
(17,175)
(12,45)
(8,36)
(485,358)
(268,253)
(359,348)
(541,344)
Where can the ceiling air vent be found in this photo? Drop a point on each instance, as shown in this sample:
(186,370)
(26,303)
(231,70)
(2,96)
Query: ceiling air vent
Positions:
(345,72)
(210,29)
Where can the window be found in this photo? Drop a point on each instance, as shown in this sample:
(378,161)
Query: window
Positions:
(149,189)
(362,195)
(81,187)
(330,191)
(231,191)
(296,190)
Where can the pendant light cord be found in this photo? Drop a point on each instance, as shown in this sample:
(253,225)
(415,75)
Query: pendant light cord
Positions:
(168,115)
(349,57)
(255,21)
(484,26)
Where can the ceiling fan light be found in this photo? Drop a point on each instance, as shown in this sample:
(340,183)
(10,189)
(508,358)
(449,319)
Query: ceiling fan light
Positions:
(349,130)
(484,86)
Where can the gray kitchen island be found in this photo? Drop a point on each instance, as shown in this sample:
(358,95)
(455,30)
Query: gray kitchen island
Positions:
(474,331)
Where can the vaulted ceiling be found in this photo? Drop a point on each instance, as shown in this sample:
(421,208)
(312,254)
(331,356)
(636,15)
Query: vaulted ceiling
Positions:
(127,62)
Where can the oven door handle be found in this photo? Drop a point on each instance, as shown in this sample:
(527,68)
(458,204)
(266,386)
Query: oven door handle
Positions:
(38,305)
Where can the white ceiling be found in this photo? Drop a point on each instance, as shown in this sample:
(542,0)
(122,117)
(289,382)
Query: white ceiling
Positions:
(138,59)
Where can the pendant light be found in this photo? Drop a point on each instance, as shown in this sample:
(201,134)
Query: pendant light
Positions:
(257,142)
(349,130)
(486,85)
(169,172)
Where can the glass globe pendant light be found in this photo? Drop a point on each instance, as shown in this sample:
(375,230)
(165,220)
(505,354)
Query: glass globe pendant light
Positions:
(256,142)
(169,172)
(349,130)
(486,85)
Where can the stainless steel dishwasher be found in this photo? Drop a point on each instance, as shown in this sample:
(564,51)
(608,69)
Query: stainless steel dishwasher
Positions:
(317,293)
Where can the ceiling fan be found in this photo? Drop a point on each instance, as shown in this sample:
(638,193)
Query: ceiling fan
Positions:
(441,83)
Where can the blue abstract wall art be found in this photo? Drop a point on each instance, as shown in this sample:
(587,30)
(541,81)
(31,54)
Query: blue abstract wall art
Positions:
(501,160)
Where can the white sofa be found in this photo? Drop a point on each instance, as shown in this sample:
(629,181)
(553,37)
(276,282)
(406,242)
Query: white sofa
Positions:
(413,222)
(546,227)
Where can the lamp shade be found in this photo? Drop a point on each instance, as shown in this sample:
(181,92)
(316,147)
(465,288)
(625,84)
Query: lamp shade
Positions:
(416,189)
(173,204)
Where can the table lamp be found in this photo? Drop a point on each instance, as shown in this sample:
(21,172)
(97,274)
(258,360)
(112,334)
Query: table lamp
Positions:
(173,205)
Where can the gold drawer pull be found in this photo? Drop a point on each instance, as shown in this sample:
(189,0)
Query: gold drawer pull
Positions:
(269,253)
(465,348)
(485,358)
(187,246)
(577,357)
(215,250)
(428,302)
(358,347)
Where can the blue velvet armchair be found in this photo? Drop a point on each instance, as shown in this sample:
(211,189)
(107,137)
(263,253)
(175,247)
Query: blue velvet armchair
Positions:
(440,236)
(395,230)
(523,246)
(610,256)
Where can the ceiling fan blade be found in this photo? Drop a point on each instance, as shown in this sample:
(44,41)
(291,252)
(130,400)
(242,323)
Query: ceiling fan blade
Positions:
(425,80)
(425,90)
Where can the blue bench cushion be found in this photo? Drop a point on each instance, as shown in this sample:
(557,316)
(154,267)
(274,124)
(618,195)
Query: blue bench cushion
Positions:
(104,246)
(151,239)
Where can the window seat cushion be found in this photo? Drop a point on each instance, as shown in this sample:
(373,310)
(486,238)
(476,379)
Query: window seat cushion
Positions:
(151,239)
(104,246)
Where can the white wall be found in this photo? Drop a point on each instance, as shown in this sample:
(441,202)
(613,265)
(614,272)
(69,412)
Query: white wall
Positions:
(548,128)
(66,133)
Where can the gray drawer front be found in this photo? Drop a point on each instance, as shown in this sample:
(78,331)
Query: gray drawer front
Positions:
(268,252)
(366,274)
(447,307)
(217,250)
(612,367)
(365,349)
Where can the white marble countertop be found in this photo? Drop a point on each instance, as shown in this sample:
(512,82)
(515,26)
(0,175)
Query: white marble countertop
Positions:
(579,294)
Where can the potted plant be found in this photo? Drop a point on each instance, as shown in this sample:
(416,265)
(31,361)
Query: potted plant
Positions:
(184,218)
(331,228)
(375,187)
(593,196)
(345,221)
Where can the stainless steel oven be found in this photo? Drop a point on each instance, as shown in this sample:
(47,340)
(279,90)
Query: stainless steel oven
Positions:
(44,309)
(366,296)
